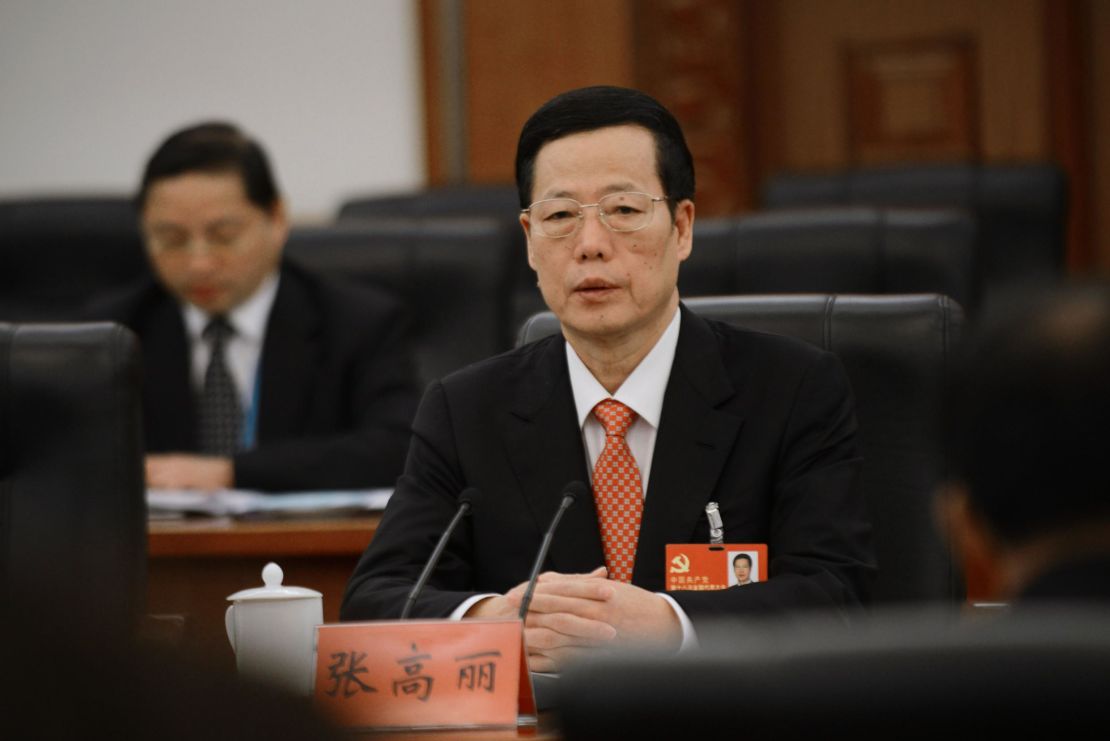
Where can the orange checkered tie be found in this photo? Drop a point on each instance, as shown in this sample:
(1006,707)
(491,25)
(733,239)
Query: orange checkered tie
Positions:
(618,491)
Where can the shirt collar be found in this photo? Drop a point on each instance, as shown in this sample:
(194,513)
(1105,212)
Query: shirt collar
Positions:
(248,319)
(644,388)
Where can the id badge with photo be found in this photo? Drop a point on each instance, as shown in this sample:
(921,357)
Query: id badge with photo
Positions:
(705,566)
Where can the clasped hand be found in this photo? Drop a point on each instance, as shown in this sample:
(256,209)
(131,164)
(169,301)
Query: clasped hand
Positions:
(187,471)
(574,614)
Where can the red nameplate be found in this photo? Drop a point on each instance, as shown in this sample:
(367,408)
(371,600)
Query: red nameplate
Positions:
(714,566)
(424,674)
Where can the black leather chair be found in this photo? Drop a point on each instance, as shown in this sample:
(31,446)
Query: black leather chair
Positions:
(895,350)
(460,201)
(1027,675)
(449,200)
(842,250)
(1021,209)
(58,254)
(454,274)
(72,504)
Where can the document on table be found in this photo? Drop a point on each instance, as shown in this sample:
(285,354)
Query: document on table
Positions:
(171,503)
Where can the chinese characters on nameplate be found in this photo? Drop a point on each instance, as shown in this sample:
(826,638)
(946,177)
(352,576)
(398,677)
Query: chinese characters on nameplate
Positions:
(424,674)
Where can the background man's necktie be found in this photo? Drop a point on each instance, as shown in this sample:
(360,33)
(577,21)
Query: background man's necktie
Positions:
(618,491)
(221,416)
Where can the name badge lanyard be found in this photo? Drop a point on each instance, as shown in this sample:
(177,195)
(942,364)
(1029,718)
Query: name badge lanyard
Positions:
(250,419)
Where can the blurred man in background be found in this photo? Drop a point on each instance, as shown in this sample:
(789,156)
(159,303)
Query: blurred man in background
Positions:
(259,374)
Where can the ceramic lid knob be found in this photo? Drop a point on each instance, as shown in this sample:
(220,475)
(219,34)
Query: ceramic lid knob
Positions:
(272,575)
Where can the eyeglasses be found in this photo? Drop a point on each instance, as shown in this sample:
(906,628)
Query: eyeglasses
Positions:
(620,212)
(223,238)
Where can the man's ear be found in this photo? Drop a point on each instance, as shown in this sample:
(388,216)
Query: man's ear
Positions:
(974,543)
(279,222)
(684,226)
(526,225)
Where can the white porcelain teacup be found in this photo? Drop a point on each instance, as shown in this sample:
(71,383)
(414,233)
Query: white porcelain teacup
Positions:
(272,630)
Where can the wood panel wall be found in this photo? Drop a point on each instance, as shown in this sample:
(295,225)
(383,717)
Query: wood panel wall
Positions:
(696,59)
(1008,89)
(516,55)
(764,86)
(1096,147)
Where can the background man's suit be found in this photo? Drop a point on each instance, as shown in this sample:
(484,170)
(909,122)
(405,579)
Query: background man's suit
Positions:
(336,393)
(764,425)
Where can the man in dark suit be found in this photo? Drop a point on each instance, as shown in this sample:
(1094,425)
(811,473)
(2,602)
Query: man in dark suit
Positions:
(258,373)
(1028,430)
(660,410)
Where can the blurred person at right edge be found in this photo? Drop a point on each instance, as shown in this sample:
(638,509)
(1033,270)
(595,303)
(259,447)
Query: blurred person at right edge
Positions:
(1027,425)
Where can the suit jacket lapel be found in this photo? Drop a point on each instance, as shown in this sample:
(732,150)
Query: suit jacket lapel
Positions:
(694,441)
(290,354)
(546,453)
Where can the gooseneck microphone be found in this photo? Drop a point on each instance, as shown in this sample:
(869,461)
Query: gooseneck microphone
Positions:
(571,491)
(466,501)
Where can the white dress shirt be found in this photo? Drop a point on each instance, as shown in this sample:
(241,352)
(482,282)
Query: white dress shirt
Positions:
(642,392)
(244,347)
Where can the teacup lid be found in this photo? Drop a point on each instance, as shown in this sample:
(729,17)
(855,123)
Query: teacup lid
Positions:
(271,577)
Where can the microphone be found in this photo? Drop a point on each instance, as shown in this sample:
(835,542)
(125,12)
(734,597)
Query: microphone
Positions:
(571,491)
(466,501)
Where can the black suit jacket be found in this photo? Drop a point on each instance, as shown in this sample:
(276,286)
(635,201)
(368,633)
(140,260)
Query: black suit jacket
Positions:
(336,389)
(762,424)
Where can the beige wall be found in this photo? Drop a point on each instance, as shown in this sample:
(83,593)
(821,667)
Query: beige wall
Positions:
(332,89)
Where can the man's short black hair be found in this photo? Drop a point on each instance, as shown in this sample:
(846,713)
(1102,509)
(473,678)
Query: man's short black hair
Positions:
(591,108)
(744,556)
(1027,413)
(213,147)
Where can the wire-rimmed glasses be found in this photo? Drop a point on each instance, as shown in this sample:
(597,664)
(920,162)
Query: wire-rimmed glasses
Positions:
(620,212)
